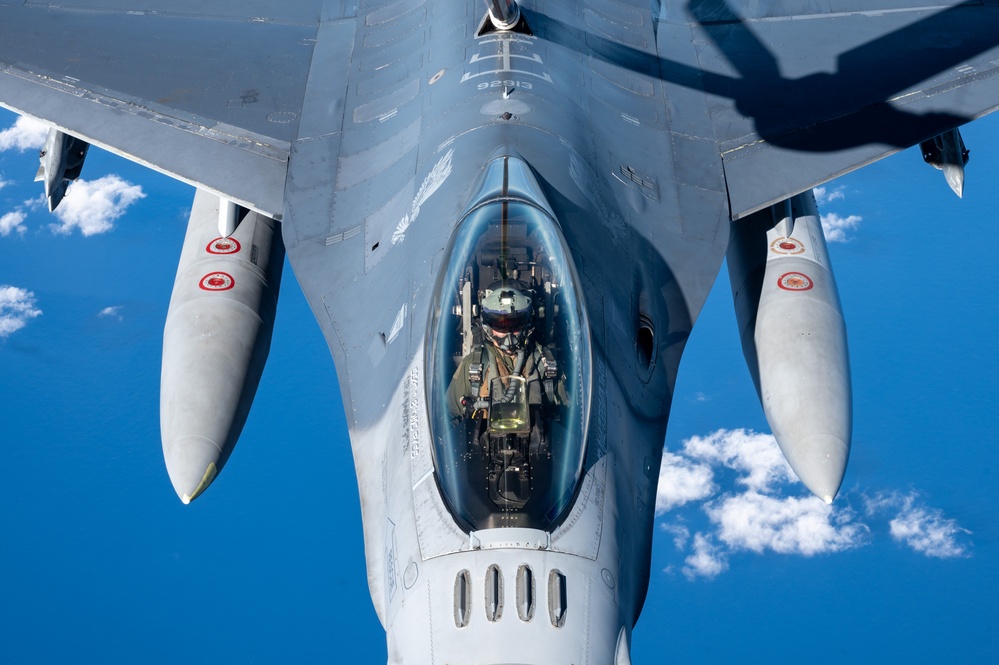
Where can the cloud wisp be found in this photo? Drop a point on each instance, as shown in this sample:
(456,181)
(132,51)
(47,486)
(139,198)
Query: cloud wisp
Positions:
(706,560)
(24,134)
(17,307)
(835,226)
(922,528)
(113,312)
(13,222)
(824,195)
(761,515)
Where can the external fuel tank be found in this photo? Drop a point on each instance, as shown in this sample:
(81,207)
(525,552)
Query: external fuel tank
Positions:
(794,337)
(216,339)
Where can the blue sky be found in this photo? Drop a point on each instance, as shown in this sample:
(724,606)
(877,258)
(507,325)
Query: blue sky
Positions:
(102,563)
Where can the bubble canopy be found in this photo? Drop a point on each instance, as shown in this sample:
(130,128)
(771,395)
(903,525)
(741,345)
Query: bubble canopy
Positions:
(509,361)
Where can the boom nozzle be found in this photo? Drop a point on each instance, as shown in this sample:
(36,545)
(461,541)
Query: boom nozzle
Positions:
(504,14)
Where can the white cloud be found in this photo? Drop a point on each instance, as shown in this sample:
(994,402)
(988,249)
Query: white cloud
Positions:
(786,525)
(768,510)
(17,306)
(93,206)
(13,221)
(25,134)
(754,519)
(755,456)
(824,196)
(680,481)
(111,312)
(4,183)
(707,560)
(922,528)
(680,533)
(836,226)
(37,203)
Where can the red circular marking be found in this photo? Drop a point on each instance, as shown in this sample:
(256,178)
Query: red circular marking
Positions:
(795,281)
(217,281)
(223,246)
(787,246)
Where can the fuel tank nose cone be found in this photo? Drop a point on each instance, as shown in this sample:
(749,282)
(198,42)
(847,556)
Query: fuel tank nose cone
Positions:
(820,463)
(192,464)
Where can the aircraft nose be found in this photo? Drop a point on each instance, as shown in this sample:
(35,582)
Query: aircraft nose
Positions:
(820,462)
(192,464)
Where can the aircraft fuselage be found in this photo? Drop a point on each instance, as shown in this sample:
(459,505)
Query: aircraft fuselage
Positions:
(593,135)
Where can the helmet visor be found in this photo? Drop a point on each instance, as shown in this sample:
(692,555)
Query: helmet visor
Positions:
(506,322)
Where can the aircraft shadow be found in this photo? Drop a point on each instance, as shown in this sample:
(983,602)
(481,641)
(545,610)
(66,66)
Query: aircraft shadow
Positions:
(819,112)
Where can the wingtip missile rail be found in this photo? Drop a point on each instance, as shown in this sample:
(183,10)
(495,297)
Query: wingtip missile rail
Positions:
(61,162)
(947,152)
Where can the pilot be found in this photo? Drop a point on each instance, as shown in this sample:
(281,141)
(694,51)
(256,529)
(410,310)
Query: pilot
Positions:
(507,321)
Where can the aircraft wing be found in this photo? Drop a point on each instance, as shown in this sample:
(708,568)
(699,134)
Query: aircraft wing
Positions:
(216,94)
(211,93)
(789,108)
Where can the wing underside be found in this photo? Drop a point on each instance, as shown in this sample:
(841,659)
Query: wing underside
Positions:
(210,96)
(216,97)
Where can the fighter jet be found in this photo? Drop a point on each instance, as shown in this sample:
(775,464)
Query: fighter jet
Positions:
(506,219)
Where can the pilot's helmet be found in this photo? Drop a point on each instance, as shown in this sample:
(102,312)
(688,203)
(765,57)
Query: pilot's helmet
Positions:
(507,315)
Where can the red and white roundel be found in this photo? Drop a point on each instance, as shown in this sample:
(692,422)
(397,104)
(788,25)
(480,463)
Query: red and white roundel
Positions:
(787,246)
(795,281)
(223,246)
(217,281)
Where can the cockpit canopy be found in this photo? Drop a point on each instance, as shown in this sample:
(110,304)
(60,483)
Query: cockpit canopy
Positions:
(509,361)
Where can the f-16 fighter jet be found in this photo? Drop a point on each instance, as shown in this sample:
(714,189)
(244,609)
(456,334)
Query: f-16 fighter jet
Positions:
(506,218)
